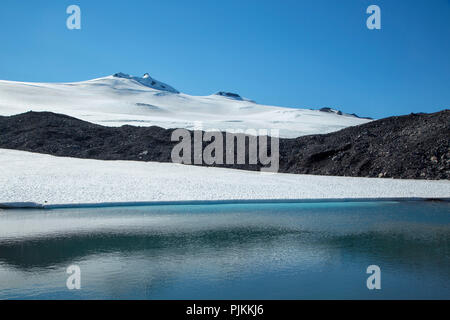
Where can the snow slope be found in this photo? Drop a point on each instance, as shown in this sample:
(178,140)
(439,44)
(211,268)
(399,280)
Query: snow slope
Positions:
(122,99)
(38,178)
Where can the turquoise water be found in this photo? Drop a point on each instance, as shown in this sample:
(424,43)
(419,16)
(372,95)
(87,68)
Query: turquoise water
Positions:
(228,251)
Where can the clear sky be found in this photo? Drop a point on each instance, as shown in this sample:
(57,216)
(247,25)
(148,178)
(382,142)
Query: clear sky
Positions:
(299,53)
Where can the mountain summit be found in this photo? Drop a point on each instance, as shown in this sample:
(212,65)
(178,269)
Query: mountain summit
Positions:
(121,99)
(148,81)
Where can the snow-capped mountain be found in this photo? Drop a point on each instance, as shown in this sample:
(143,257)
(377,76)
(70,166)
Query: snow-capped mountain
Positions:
(144,101)
(148,81)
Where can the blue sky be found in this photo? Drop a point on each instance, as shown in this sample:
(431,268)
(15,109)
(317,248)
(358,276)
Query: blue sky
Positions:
(292,53)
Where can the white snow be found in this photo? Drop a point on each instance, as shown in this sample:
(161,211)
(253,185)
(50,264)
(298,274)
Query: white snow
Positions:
(44,179)
(143,101)
(148,81)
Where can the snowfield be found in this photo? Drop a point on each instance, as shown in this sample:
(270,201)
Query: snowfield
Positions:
(143,101)
(44,179)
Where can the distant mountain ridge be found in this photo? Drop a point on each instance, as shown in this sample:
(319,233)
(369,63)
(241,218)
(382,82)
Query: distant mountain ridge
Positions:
(148,81)
(339,112)
(122,99)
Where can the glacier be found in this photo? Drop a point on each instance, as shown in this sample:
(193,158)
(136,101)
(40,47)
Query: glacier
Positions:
(121,99)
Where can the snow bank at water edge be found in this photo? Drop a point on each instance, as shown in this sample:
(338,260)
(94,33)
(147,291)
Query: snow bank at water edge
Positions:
(43,179)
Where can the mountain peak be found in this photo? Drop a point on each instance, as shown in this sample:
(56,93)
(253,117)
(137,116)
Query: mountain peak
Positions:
(147,81)
(230,95)
(233,96)
(340,113)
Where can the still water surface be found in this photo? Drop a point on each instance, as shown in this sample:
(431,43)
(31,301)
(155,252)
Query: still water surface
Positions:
(228,251)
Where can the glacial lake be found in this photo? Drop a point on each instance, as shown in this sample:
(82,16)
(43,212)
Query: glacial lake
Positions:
(312,250)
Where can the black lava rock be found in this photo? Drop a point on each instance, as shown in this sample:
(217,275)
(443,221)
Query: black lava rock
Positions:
(415,146)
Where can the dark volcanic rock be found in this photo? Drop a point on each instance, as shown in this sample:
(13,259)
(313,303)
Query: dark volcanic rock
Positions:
(61,135)
(231,95)
(414,146)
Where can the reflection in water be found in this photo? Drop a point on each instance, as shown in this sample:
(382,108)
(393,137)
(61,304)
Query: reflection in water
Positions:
(290,250)
(46,252)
